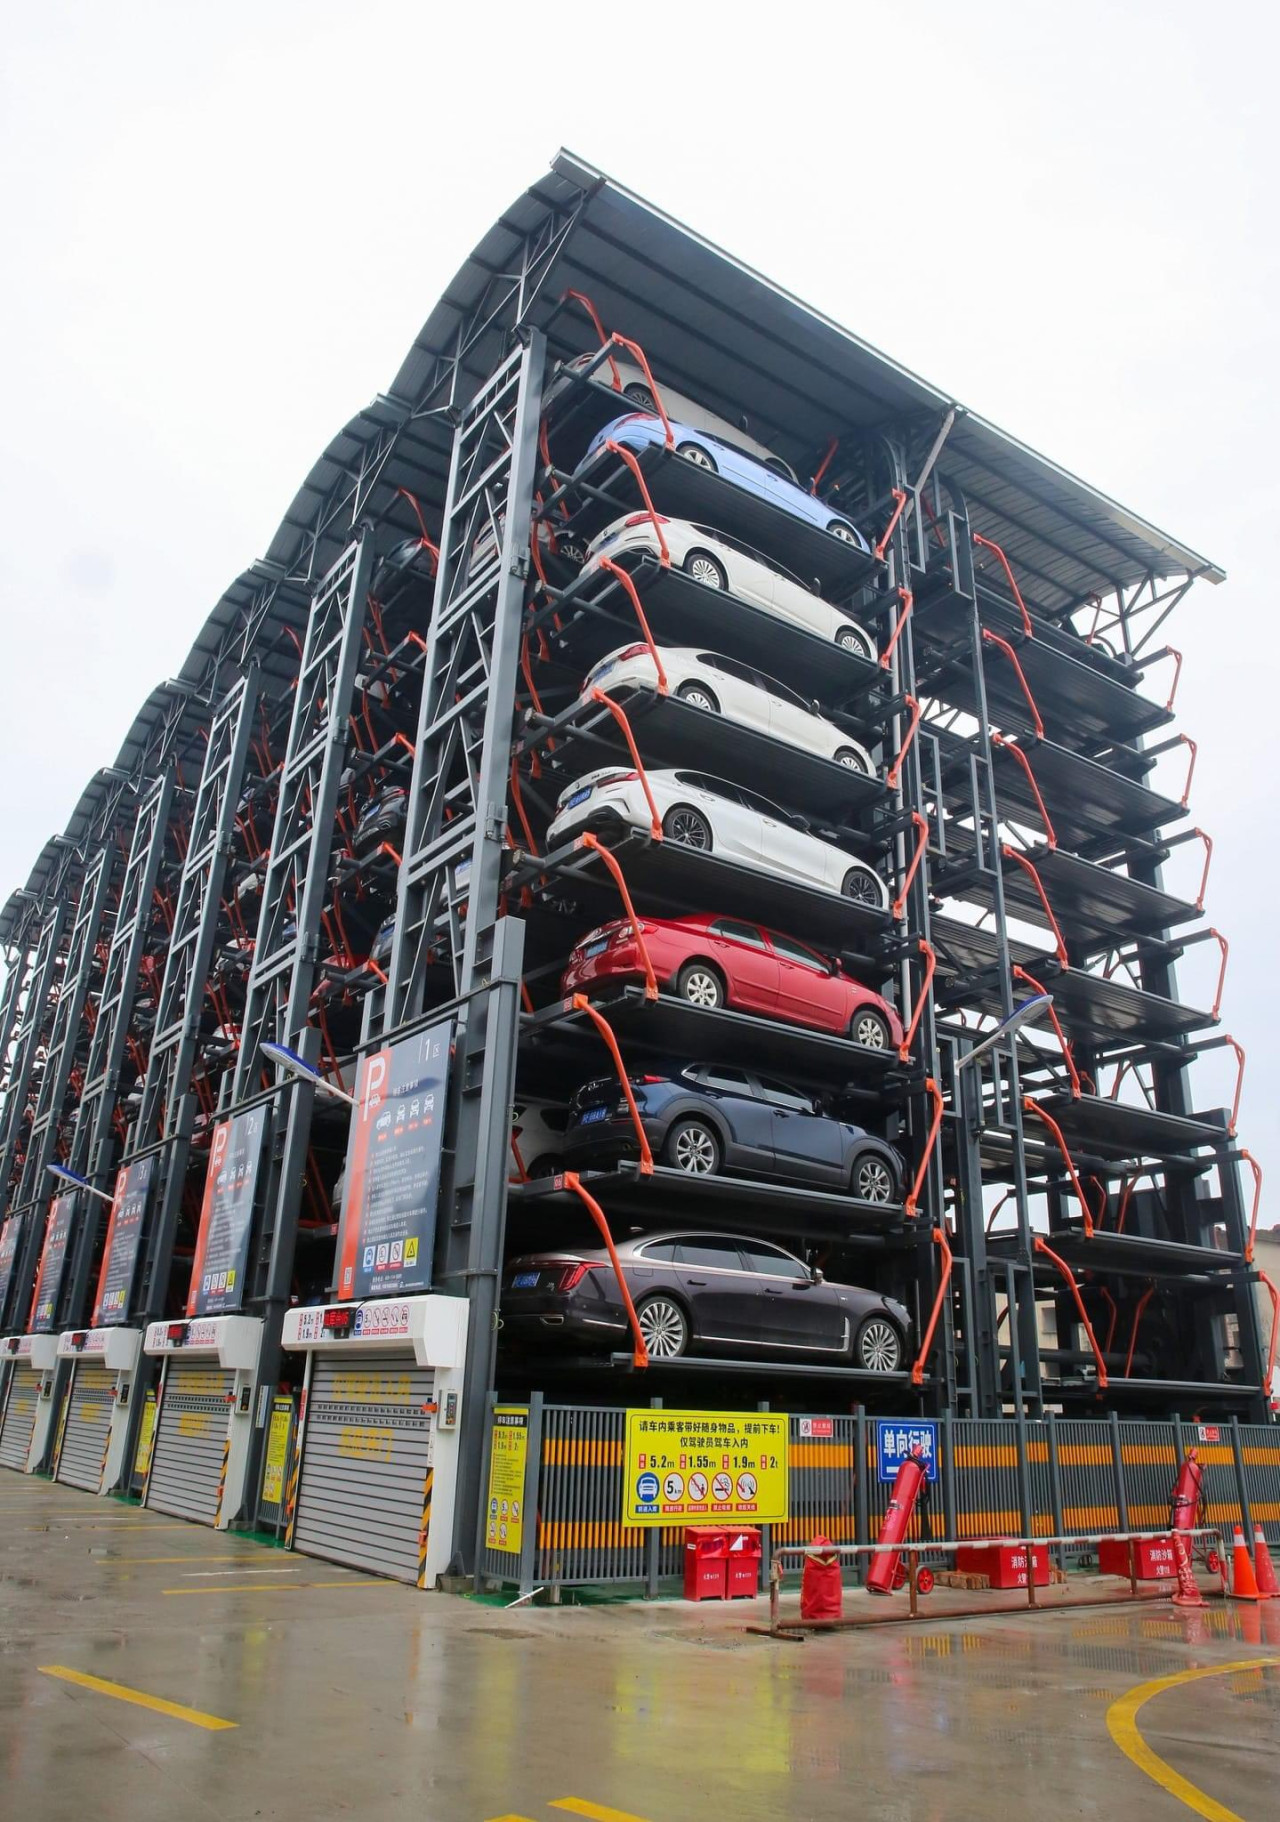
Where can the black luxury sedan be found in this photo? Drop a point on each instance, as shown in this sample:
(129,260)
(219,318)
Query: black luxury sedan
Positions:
(703,1118)
(702,1293)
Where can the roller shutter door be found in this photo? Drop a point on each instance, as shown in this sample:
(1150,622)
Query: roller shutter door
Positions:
(19,1415)
(186,1467)
(84,1437)
(365,1458)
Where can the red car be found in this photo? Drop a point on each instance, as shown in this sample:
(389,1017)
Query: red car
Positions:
(726,961)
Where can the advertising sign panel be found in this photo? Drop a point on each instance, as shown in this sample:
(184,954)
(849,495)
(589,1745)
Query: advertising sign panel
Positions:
(388,1223)
(53,1257)
(508,1456)
(8,1247)
(706,1468)
(124,1235)
(226,1215)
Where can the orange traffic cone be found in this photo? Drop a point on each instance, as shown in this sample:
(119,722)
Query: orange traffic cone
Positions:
(1266,1575)
(1244,1584)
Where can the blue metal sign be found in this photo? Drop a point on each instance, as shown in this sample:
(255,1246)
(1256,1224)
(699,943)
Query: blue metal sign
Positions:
(896,1441)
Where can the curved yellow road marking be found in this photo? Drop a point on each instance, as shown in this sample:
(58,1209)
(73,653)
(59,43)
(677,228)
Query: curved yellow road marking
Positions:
(1123,1727)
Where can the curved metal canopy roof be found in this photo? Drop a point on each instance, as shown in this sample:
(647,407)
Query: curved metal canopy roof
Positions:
(705,320)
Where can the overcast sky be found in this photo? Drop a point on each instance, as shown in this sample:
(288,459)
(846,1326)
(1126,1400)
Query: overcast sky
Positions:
(223,227)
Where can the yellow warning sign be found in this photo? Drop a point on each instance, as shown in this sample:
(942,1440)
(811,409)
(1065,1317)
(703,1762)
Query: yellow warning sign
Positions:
(277,1452)
(706,1468)
(508,1456)
(146,1437)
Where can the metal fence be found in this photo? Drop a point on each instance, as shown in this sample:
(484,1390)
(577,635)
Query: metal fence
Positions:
(996,1477)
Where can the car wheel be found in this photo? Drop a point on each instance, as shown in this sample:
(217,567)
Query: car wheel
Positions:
(864,887)
(570,551)
(695,453)
(871,1179)
(664,1326)
(850,639)
(692,1147)
(687,827)
(700,696)
(848,756)
(641,396)
(870,1029)
(845,533)
(702,566)
(699,983)
(878,1347)
(548,1165)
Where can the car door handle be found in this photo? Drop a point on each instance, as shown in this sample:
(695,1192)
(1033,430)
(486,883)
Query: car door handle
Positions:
(773,1290)
(700,1282)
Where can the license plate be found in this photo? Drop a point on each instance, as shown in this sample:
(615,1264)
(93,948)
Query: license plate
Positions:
(524,1281)
(593,1114)
(596,948)
(578,797)
(603,672)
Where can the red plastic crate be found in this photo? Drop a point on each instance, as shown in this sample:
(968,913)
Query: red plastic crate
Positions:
(1005,1565)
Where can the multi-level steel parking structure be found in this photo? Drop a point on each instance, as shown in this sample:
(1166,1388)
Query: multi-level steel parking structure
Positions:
(330,832)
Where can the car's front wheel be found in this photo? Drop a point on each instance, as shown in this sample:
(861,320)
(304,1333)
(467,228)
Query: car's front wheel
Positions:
(878,1346)
(641,396)
(872,1180)
(864,887)
(692,1147)
(548,1165)
(687,828)
(695,453)
(700,696)
(703,567)
(853,760)
(664,1326)
(851,639)
(870,1029)
(701,986)
(845,533)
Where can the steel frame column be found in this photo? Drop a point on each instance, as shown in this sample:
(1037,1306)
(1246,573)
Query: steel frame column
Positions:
(449,899)
(37,1015)
(91,1135)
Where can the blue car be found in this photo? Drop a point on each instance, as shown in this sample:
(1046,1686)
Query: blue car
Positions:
(640,430)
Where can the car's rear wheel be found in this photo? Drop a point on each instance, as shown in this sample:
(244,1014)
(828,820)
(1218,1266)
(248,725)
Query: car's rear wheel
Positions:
(845,533)
(878,1347)
(702,566)
(664,1326)
(863,887)
(641,396)
(687,827)
(695,453)
(871,1179)
(849,756)
(870,1029)
(548,1165)
(700,696)
(850,639)
(701,985)
(693,1148)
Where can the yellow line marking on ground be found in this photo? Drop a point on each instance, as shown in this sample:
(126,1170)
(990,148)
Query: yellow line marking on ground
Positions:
(212,1723)
(201,1575)
(599,1812)
(510,1818)
(114,1562)
(292,1587)
(1123,1727)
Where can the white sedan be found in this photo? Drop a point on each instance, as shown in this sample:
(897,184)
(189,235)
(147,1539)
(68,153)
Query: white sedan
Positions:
(699,811)
(636,390)
(723,686)
(720,561)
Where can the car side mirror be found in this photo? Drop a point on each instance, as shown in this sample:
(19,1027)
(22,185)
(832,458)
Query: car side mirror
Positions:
(817,1275)
(815,707)
(802,823)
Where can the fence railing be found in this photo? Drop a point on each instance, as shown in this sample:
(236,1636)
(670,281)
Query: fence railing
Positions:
(1049,1477)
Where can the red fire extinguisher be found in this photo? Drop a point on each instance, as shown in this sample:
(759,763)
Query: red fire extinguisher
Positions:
(1187,1509)
(885,1575)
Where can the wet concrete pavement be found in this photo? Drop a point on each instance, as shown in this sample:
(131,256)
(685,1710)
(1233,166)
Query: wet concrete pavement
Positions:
(355,1697)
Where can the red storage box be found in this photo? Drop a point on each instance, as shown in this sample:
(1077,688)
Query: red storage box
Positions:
(742,1561)
(1154,1558)
(705,1563)
(1005,1565)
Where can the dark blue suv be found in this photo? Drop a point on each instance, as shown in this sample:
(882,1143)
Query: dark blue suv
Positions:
(703,1118)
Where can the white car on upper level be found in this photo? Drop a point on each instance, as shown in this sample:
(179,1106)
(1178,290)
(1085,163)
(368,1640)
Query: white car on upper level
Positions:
(697,810)
(740,692)
(720,561)
(679,406)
